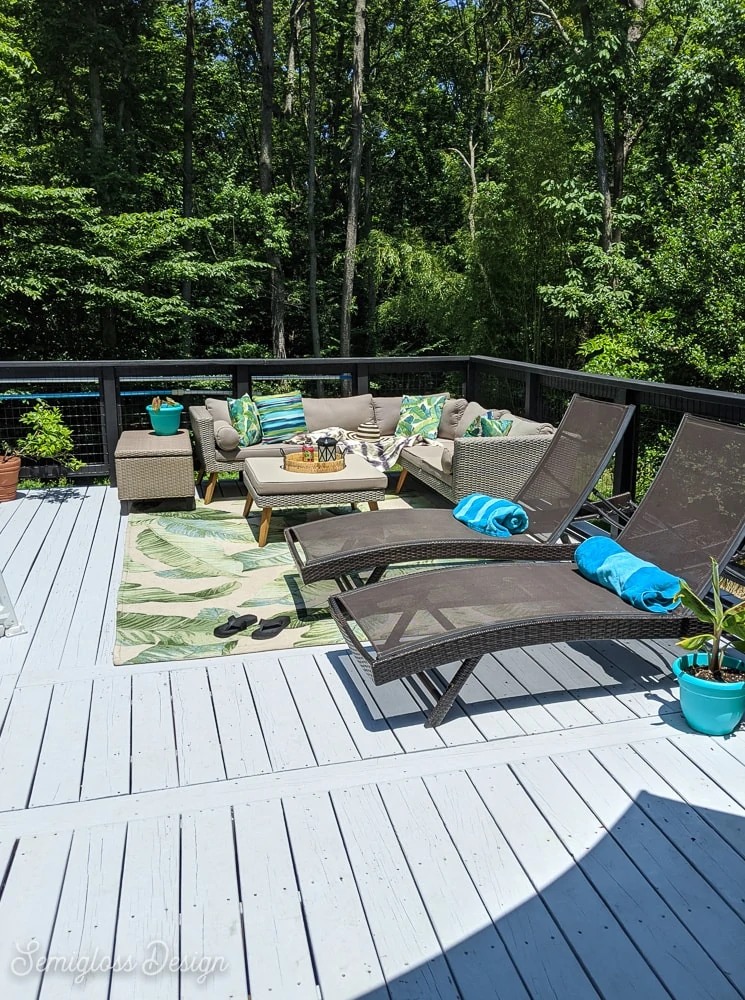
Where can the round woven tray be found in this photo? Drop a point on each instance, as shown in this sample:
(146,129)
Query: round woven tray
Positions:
(295,463)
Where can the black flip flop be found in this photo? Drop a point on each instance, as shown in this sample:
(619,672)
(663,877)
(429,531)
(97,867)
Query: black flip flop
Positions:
(271,627)
(234,625)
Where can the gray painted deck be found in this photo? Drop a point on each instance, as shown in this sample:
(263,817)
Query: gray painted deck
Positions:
(276,822)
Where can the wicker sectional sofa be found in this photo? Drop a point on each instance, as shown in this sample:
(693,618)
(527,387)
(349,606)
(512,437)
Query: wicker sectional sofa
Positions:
(452,464)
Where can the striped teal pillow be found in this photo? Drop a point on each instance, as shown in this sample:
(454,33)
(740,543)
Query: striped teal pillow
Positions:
(282,416)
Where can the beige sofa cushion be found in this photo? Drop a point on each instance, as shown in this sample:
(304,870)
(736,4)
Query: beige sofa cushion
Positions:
(387,412)
(470,413)
(429,458)
(526,428)
(347,412)
(218,409)
(452,413)
(227,437)
(256,450)
(269,477)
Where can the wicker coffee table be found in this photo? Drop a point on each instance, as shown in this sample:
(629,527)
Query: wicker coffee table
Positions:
(270,486)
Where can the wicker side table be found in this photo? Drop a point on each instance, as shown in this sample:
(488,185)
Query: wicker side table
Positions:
(154,467)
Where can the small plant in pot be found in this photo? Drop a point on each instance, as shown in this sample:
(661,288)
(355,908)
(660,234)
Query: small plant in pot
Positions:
(712,684)
(49,438)
(165,415)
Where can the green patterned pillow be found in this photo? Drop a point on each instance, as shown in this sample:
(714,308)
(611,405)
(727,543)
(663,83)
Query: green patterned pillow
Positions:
(245,418)
(282,416)
(493,427)
(487,425)
(420,415)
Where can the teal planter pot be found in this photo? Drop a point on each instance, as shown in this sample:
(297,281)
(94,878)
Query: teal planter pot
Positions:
(708,706)
(166,420)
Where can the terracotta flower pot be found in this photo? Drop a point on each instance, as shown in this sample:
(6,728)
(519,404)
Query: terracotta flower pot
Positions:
(10,469)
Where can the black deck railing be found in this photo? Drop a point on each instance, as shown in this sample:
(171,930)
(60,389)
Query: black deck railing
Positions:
(100,399)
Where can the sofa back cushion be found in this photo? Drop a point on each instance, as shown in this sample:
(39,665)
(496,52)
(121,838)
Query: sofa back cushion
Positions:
(451,415)
(470,413)
(282,416)
(387,412)
(347,412)
(218,409)
(528,428)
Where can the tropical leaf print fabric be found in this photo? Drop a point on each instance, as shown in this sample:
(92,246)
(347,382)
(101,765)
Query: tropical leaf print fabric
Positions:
(493,427)
(245,418)
(186,572)
(487,425)
(282,416)
(420,415)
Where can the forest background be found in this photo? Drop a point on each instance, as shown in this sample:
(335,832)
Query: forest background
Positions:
(558,183)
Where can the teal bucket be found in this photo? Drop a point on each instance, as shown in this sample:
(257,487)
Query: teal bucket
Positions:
(166,420)
(710,707)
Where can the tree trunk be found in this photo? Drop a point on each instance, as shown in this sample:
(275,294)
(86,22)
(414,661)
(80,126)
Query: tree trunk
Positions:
(94,85)
(188,151)
(265,171)
(296,13)
(312,247)
(598,129)
(360,12)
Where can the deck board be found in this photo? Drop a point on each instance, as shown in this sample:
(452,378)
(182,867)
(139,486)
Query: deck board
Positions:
(280,810)
(27,912)
(277,950)
(657,928)
(589,924)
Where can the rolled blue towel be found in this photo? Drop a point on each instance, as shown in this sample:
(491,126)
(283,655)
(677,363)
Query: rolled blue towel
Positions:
(639,583)
(491,516)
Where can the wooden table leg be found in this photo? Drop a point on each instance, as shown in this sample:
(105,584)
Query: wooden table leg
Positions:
(401,480)
(373,505)
(247,505)
(266,516)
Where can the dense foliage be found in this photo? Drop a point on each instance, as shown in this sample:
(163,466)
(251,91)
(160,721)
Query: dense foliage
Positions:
(561,183)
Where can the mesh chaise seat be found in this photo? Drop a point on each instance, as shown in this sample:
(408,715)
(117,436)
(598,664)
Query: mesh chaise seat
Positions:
(585,440)
(694,510)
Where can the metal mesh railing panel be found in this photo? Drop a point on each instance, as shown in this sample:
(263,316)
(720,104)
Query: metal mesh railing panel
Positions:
(79,403)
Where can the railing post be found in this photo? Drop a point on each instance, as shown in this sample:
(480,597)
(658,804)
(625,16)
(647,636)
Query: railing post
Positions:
(469,389)
(532,396)
(627,454)
(363,379)
(109,388)
(242,381)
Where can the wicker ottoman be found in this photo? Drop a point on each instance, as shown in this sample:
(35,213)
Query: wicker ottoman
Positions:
(153,467)
(270,486)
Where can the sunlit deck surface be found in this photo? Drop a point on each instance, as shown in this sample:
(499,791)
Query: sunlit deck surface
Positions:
(275,819)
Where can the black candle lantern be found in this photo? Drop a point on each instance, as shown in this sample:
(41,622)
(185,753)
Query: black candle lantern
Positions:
(326,449)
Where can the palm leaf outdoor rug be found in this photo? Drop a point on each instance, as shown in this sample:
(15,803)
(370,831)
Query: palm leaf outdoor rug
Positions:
(186,571)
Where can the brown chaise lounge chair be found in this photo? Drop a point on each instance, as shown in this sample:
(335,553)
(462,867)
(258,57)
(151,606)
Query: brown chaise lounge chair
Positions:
(694,510)
(584,443)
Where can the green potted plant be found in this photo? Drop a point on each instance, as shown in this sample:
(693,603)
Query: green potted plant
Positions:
(49,437)
(165,415)
(712,685)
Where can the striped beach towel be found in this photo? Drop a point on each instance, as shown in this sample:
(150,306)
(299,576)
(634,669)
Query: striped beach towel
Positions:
(491,515)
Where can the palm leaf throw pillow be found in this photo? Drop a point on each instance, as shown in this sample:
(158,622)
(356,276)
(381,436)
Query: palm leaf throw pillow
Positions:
(493,427)
(282,416)
(245,418)
(487,425)
(420,415)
